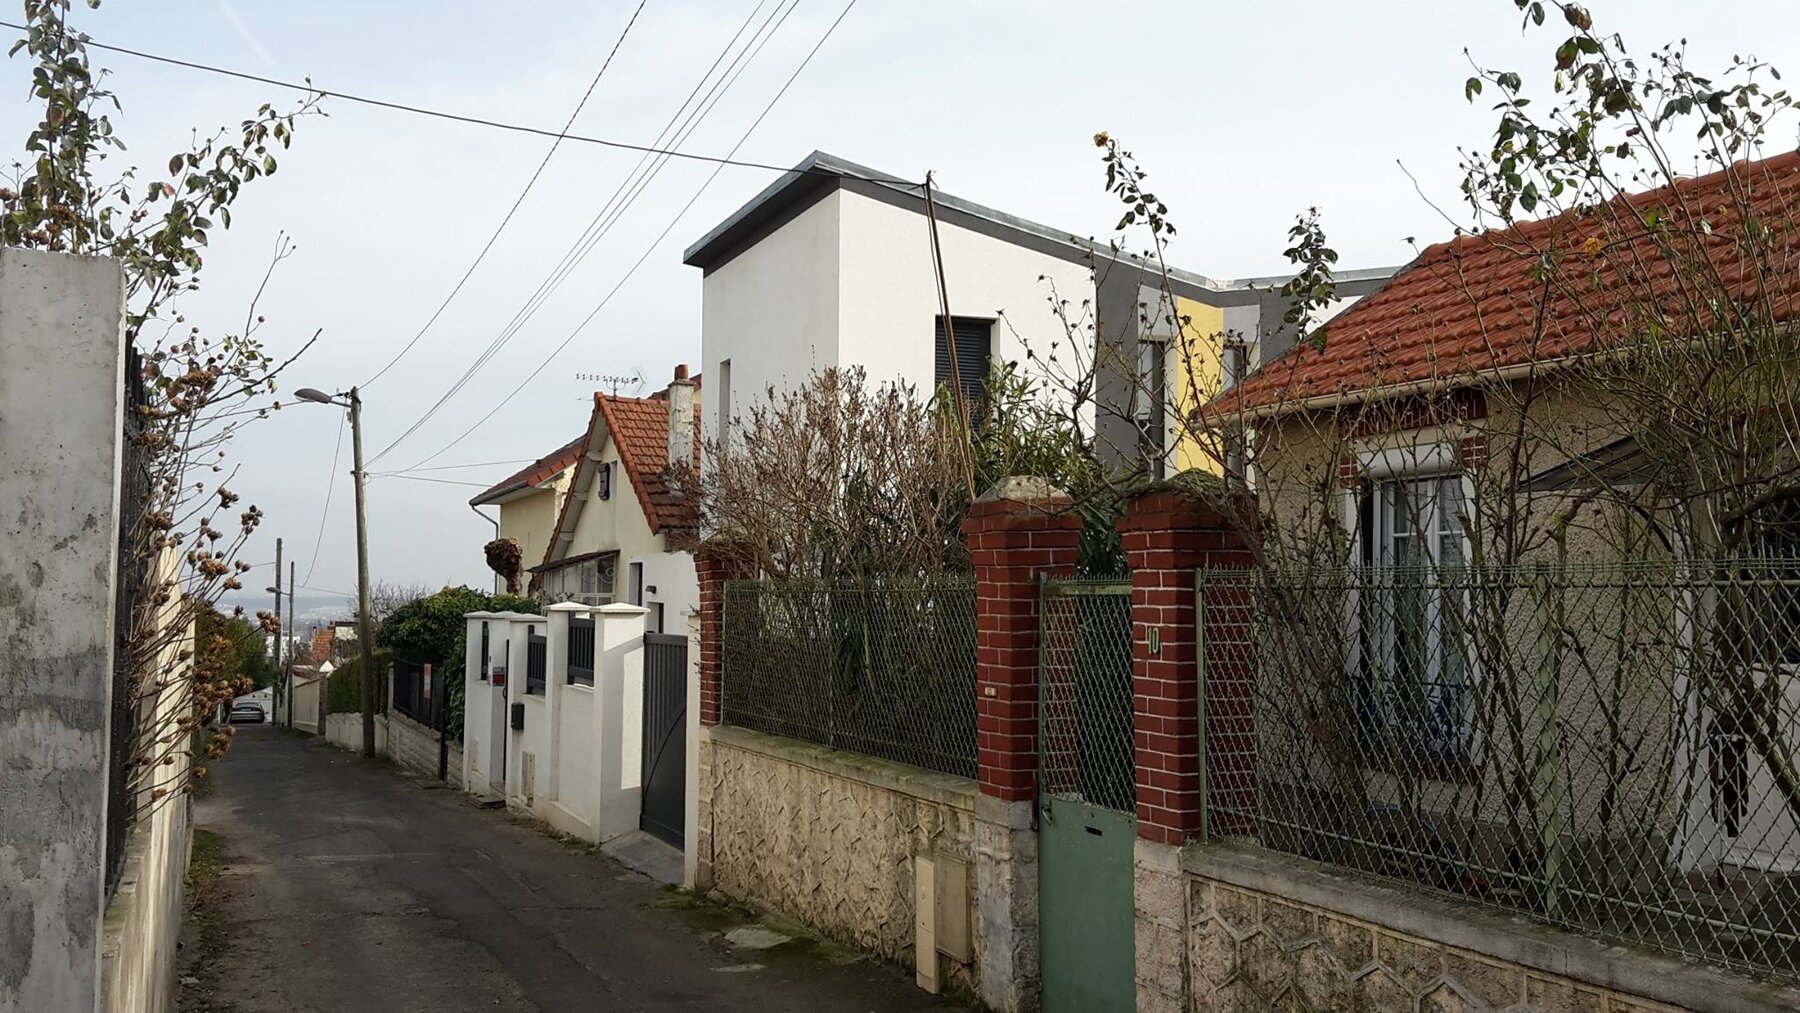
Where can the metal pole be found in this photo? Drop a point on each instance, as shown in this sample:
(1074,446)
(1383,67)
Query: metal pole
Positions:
(364,635)
(280,630)
(287,631)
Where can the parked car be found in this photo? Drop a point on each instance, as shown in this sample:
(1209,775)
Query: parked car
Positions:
(247,714)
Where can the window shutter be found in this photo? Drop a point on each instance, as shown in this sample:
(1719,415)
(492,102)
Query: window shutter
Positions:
(974,348)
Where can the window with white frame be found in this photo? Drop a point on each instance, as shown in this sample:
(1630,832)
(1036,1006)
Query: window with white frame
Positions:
(1412,672)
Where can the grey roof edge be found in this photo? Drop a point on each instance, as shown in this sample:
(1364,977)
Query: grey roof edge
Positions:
(722,238)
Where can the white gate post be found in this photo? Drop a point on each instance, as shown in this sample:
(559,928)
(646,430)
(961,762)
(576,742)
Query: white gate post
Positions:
(556,676)
(475,702)
(619,716)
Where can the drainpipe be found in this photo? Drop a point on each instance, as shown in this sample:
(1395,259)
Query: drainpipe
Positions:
(496,523)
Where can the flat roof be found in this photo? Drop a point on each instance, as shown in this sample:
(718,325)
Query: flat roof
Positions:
(821,173)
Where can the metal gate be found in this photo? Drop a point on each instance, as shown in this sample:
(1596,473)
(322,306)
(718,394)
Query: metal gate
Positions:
(665,737)
(1087,796)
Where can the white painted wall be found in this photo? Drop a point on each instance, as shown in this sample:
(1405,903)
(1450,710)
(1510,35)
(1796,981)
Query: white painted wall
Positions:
(670,581)
(888,297)
(850,282)
(617,522)
(773,312)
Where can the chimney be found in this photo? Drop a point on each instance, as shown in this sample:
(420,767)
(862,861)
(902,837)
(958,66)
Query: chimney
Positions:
(681,419)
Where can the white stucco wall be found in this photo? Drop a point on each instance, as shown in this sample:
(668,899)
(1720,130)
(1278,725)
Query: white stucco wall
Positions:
(617,522)
(888,297)
(532,518)
(773,312)
(850,282)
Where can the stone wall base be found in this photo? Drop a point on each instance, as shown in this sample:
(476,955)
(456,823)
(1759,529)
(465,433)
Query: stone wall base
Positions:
(1221,927)
(830,839)
(1006,887)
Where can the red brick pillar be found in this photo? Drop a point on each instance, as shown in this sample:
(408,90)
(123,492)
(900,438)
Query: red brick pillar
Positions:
(714,567)
(1168,536)
(1017,532)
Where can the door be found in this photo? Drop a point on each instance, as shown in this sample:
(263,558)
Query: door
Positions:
(665,737)
(1087,794)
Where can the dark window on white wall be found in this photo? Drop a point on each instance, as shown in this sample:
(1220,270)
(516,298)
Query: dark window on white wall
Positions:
(974,340)
(605,478)
(636,591)
(724,398)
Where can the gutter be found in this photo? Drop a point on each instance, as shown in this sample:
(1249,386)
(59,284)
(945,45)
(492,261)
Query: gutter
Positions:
(496,523)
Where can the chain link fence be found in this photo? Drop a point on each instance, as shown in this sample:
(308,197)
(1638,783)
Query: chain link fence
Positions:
(885,669)
(1085,740)
(1612,749)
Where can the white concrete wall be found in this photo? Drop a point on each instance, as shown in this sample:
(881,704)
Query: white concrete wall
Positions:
(850,282)
(415,747)
(532,519)
(143,921)
(575,764)
(61,365)
(345,732)
(670,581)
(306,705)
(888,301)
(773,312)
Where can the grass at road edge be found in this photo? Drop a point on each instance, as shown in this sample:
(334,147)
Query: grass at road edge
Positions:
(203,934)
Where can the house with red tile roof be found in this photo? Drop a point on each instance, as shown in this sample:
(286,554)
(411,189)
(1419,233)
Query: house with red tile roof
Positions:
(530,498)
(622,525)
(1516,397)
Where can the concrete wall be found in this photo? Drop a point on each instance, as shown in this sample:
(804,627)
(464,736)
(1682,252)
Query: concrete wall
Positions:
(345,732)
(306,705)
(616,522)
(830,838)
(1226,928)
(61,368)
(575,764)
(415,747)
(531,518)
(889,302)
(143,920)
(773,313)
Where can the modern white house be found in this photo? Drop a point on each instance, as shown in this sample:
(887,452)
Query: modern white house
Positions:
(832,266)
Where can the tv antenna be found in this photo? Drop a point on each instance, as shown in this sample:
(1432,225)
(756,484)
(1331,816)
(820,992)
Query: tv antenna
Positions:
(614,381)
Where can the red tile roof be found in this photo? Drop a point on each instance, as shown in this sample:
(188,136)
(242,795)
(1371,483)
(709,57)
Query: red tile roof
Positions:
(1478,304)
(640,429)
(539,471)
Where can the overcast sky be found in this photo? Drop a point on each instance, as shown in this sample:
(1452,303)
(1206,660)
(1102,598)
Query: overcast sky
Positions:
(1244,113)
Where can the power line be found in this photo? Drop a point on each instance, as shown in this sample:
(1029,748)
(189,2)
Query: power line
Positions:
(458,467)
(626,194)
(423,478)
(655,242)
(517,201)
(313,89)
(330,484)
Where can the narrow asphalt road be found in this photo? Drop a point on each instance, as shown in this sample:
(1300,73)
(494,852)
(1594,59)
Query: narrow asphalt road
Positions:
(348,887)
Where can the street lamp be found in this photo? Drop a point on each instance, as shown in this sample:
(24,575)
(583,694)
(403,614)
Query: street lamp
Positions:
(353,401)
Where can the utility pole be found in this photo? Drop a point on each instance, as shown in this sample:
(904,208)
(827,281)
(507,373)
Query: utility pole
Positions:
(365,637)
(281,631)
(364,634)
(286,629)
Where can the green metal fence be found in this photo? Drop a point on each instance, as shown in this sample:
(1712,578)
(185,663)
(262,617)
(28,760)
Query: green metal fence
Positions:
(1612,749)
(885,669)
(1085,744)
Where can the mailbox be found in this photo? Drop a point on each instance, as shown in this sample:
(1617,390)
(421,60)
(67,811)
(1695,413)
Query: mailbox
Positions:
(518,717)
